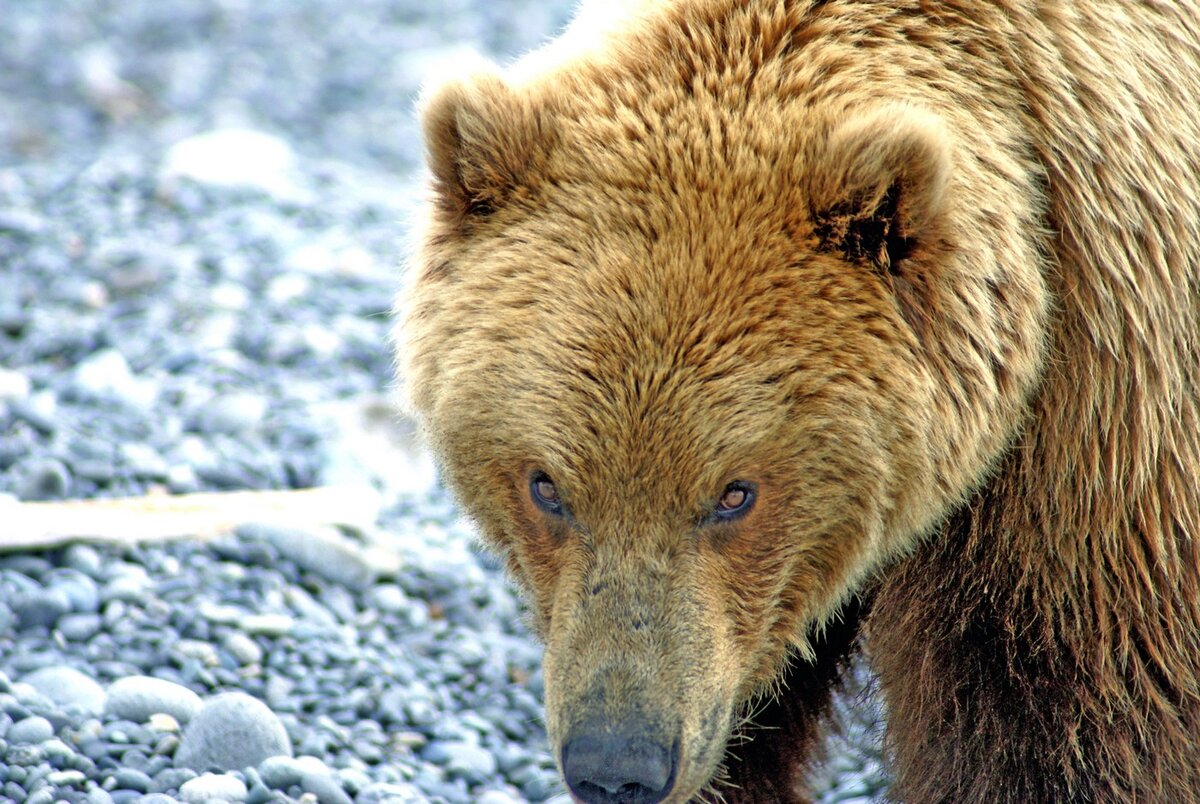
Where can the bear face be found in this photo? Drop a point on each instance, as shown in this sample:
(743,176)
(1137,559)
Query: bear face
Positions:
(702,345)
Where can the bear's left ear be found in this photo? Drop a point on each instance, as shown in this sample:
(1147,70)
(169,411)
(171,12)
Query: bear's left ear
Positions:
(878,184)
(483,142)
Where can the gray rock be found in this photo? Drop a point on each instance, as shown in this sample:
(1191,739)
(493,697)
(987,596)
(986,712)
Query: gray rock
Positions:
(232,731)
(43,479)
(468,760)
(66,778)
(31,730)
(274,625)
(132,779)
(242,648)
(105,375)
(323,552)
(326,787)
(282,772)
(209,787)
(79,588)
(136,698)
(144,461)
(14,221)
(98,795)
(130,588)
(40,607)
(232,414)
(80,627)
(47,795)
(14,385)
(391,793)
(67,687)
(389,598)
(496,797)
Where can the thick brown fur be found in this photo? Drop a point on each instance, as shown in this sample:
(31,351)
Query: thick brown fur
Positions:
(926,273)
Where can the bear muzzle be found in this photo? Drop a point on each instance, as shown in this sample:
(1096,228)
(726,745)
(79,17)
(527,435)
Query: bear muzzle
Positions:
(607,764)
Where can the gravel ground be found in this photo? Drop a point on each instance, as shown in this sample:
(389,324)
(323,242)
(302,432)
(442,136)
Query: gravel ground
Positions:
(202,211)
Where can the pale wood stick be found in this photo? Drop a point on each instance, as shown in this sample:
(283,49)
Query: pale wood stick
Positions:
(155,517)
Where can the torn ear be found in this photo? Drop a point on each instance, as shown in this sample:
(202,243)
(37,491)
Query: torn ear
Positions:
(484,143)
(878,188)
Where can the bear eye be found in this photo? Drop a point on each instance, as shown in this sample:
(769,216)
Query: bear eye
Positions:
(737,499)
(545,493)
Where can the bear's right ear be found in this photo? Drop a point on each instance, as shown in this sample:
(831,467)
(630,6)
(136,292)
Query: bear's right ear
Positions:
(484,143)
(877,186)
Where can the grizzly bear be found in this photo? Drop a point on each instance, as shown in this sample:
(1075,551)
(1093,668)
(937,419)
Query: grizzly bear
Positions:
(759,336)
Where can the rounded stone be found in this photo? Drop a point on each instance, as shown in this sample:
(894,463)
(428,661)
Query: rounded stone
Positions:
(137,698)
(132,779)
(209,787)
(232,731)
(43,479)
(233,413)
(326,787)
(79,588)
(31,730)
(282,772)
(80,627)
(40,607)
(242,648)
(472,762)
(85,559)
(67,687)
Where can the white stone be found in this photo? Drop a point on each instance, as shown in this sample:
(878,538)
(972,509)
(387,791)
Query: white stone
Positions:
(14,386)
(210,787)
(236,158)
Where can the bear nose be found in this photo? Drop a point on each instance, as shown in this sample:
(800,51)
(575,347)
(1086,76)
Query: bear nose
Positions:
(602,767)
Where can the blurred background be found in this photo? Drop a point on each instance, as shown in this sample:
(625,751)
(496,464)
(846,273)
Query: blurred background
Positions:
(203,217)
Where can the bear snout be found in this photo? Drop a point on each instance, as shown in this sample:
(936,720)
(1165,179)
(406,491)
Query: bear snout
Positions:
(606,764)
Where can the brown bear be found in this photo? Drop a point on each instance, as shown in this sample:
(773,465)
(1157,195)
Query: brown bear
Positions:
(760,335)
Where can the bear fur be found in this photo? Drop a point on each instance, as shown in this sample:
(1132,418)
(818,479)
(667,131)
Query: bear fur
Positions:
(917,285)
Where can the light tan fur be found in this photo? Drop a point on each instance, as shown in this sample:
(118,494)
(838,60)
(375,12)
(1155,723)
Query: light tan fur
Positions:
(927,274)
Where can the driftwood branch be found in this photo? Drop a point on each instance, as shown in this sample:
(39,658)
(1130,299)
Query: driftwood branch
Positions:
(155,517)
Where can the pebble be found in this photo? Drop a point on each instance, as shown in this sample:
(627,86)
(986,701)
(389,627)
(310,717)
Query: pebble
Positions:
(106,375)
(43,479)
(321,551)
(80,627)
(326,787)
(30,730)
(242,648)
(209,787)
(473,762)
(40,607)
(84,558)
(281,772)
(496,797)
(66,778)
(273,625)
(231,731)
(67,687)
(79,588)
(389,598)
(138,698)
(127,588)
(391,793)
(14,386)
(235,158)
(21,222)
(132,779)
(232,414)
